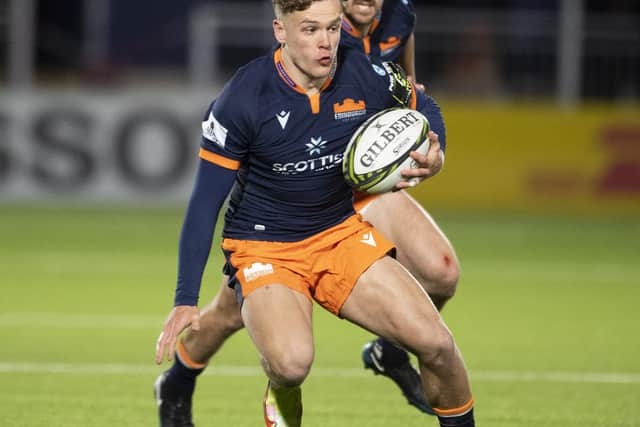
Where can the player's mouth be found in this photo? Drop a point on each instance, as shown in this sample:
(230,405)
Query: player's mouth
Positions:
(363,7)
(325,61)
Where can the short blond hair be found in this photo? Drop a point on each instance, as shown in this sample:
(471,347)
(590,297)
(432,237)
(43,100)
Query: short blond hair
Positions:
(285,7)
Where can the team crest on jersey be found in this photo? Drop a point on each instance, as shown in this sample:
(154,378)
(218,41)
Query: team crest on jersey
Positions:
(315,146)
(214,131)
(349,109)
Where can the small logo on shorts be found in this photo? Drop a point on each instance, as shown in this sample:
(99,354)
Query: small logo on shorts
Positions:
(368,239)
(257,270)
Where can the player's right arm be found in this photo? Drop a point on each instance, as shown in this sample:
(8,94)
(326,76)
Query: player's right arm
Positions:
(212,185)
(226,131)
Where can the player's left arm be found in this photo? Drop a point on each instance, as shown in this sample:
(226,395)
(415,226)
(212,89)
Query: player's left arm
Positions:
(403,93)
(431,163)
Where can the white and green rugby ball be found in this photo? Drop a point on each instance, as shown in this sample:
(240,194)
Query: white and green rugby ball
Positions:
(379,150)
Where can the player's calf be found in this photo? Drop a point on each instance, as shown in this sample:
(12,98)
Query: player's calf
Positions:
(441,363)
(218,321)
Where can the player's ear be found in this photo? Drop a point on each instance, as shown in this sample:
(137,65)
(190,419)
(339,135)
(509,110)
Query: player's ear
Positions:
(278,31)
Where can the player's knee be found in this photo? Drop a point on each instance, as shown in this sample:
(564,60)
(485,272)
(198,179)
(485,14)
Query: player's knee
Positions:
(442,277)
(289,369)
(447,273)
(436,347)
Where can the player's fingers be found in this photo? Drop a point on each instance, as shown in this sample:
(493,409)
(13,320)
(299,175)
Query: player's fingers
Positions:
(416,173)
(408,183)
(160,347)
(195,322)
(177,326)
(171,344)
(424,164)
(434,141)
(422,159)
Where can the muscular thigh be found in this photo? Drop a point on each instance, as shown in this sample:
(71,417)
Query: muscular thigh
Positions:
(278,320)
(420,244)
(389,302)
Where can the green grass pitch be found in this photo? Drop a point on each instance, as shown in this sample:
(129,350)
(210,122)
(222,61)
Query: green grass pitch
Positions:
(546,316)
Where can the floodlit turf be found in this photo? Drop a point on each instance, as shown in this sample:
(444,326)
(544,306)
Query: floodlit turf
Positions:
(546,316)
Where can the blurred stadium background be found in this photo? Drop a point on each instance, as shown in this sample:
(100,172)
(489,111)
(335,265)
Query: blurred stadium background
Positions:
(541,97)
(100,107)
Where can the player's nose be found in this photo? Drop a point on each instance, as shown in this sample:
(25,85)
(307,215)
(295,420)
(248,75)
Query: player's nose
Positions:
(325,40)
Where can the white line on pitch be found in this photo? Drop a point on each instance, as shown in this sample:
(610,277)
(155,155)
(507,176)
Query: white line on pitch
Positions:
(252,371)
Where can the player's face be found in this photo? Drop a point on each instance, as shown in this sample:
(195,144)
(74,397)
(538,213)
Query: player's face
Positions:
(361,12)
(310,38)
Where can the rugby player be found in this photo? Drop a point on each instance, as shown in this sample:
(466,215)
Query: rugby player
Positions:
(225,304)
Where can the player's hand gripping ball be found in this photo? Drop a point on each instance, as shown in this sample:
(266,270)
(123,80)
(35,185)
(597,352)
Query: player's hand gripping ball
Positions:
(379,150)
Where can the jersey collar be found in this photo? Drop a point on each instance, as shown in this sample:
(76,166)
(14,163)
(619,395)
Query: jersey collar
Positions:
(353,31)
(314,99)
(282,72)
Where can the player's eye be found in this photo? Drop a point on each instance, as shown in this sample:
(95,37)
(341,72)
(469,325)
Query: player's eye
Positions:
(333,28)
(309,30)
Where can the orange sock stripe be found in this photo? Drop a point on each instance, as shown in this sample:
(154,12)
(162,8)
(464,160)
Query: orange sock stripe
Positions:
(455,411)
(185,359)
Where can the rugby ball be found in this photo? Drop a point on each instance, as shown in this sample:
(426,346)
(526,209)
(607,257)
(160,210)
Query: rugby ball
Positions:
(380,148)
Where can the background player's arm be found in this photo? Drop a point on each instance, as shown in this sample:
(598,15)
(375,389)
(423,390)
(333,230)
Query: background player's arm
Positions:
(407,61)
(408,57)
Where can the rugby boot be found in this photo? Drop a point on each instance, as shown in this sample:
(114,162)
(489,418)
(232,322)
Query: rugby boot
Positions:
(174,408)
(398,368)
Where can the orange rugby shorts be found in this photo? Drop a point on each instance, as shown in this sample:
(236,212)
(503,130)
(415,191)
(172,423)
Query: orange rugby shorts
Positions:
(325,267)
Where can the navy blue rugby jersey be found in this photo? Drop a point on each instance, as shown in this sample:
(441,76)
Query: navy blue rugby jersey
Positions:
(287,146)
(388,33)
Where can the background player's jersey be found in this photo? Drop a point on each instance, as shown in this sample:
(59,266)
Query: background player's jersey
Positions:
(288,146)
(388,34)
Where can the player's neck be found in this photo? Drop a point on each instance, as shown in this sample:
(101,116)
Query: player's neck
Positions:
(309,84)
(363,29)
